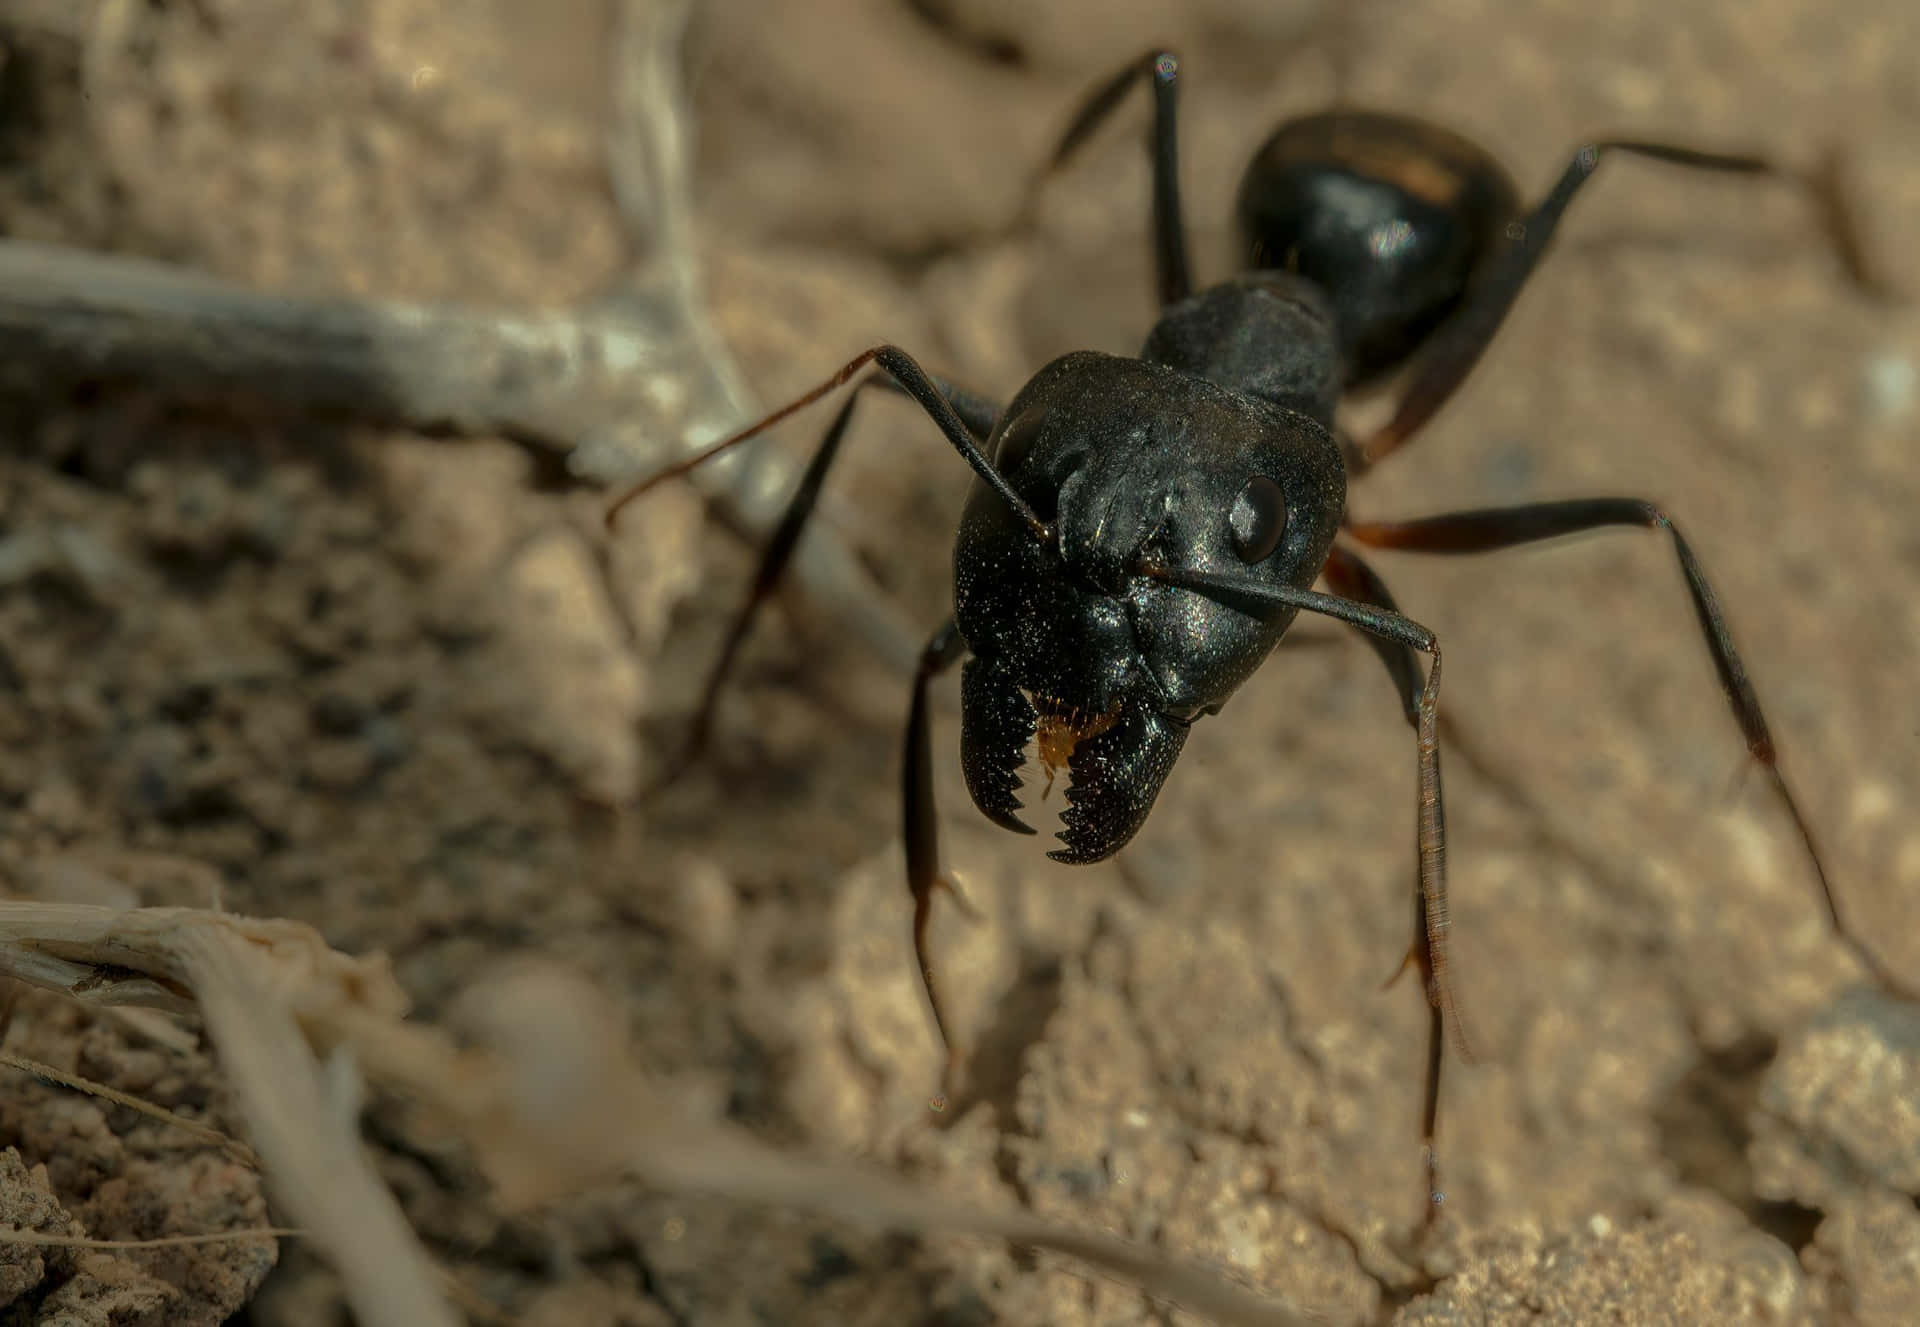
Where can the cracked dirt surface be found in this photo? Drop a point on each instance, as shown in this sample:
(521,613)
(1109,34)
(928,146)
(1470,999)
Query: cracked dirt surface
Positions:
(326,671)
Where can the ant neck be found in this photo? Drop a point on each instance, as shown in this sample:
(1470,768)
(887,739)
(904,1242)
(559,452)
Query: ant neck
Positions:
(1265,334)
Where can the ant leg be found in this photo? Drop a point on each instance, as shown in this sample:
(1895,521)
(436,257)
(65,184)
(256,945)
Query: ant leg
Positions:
(922,828)
(1169,230)
(1372,613)
(960,417)
(1458,344)
(1352,578)
(974,412)
(932,396)
(1503,527)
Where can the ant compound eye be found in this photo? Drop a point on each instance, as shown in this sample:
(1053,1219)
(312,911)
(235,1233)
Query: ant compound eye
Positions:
(1258,519)
(1017,439)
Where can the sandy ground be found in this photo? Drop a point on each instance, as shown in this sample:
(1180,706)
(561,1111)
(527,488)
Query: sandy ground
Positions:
(364,680)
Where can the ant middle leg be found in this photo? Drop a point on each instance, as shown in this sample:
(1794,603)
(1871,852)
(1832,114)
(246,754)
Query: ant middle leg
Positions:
(1457,344)
(1162,68)
(1493,528)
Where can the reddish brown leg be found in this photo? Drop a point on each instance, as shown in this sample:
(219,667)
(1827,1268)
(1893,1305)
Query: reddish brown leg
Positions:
(1504,527)
(922,830)
(1352,578)
(972,413)
(1432,920)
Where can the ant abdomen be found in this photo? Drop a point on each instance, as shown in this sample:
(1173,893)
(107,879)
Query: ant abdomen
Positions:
(1392,217)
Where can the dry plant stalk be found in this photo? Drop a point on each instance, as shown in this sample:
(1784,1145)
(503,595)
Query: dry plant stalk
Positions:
(551,1101)
(248,977)
(618,387)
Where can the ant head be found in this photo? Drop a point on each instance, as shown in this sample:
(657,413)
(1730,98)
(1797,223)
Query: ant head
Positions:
(1078,642)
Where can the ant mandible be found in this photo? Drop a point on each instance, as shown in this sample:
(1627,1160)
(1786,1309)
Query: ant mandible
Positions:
(1144,530)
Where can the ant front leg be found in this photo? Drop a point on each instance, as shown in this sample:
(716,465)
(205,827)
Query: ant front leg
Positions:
(1397,638)
(1169,229)
(1459,342)
(960,417)
(1352,578)
(921,830)
(1504,527)
(976,414)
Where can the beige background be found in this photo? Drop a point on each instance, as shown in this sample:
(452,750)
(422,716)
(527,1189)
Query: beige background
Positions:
(1189,1044)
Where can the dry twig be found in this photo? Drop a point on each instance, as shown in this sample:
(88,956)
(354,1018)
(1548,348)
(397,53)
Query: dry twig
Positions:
(552,1102)
(619,387)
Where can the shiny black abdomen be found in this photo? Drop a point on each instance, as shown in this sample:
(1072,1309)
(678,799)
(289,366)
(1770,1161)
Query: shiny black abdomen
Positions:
(1392,217)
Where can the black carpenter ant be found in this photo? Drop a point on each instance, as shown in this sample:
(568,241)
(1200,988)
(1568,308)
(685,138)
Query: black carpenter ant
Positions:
(1144,530)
